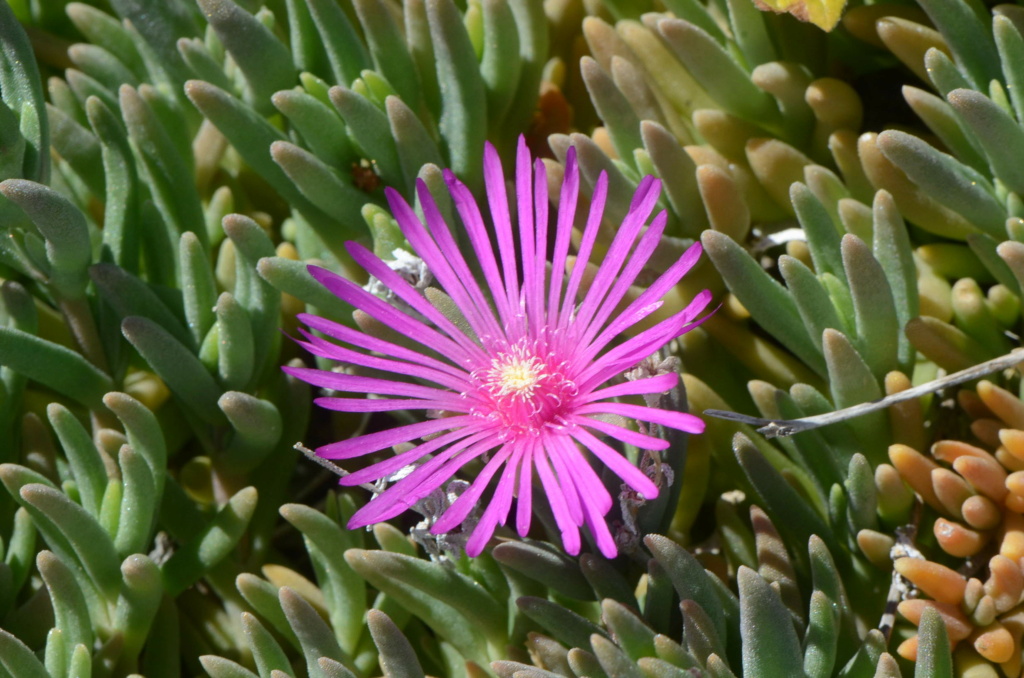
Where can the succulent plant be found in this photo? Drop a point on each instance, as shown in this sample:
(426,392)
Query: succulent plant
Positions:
(169,170)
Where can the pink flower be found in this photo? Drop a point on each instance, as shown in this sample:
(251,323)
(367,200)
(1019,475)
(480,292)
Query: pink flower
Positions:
(521,379)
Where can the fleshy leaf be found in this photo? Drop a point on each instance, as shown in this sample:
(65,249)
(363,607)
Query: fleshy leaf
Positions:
(547,565)
(770,644)
(194,559)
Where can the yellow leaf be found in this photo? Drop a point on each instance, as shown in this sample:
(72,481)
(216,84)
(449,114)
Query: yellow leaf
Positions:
(822,13)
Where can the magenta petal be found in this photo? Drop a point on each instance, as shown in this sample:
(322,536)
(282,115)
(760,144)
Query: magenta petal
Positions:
(569,529)
(618,464)
(378,404)
(458,511)
(619,250)
(682,421)
(351,383)
(648,242)
(326,349)
(427,477)
(497,510)
(458,440)
(524,502)
(563,231)
(662,383)
(633,438)
(599,528)
(372,442)
(365,341)
(566,480)
(348,291)
(588,486)
(597,202)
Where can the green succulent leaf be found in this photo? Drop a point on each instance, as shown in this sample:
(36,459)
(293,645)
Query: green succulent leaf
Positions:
(251,135)
(678,172)
(101,65)
(878,328)
(463,114)
(139,503)
(811,298)
(321,128)
(21,92)
(750,29)
(314,635)
(546,564)
(968,38)
(822,235)
(413,142)
(121,197)
(767,301)
(213,544)
(219,667)
(73,141)
(795,517)
(1010,45)
(130,296)
(891,247)
(821,638)
(565,626)
(613,660)
(21,548)
(86,463)
(235,343)
(264,61)
(996,131)
(583,663)
(718,73)
(322,185)
(945,179)
(633,636)
(64,228)
(933,654)
(160,27)
(331,669)
(93,549)
(176,365)
(70,608)
(621,121)
(461,609)
(397,657)
(141,593)
(389,50)
(346,53)
(605,580)
(865,659)
(18,660)
(852,382)
(770,645)
(266,652)
(699,634)
(327,542)
(263,598)
(689,579)
(199,292)
(99,28)
(143,433)
(257,425)
(167,172)
(940,118)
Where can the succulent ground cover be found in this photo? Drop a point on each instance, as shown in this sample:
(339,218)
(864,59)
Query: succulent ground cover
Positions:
(482,234)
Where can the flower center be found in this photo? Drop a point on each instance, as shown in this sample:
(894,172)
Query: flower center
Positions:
(515,376)
(524,390)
